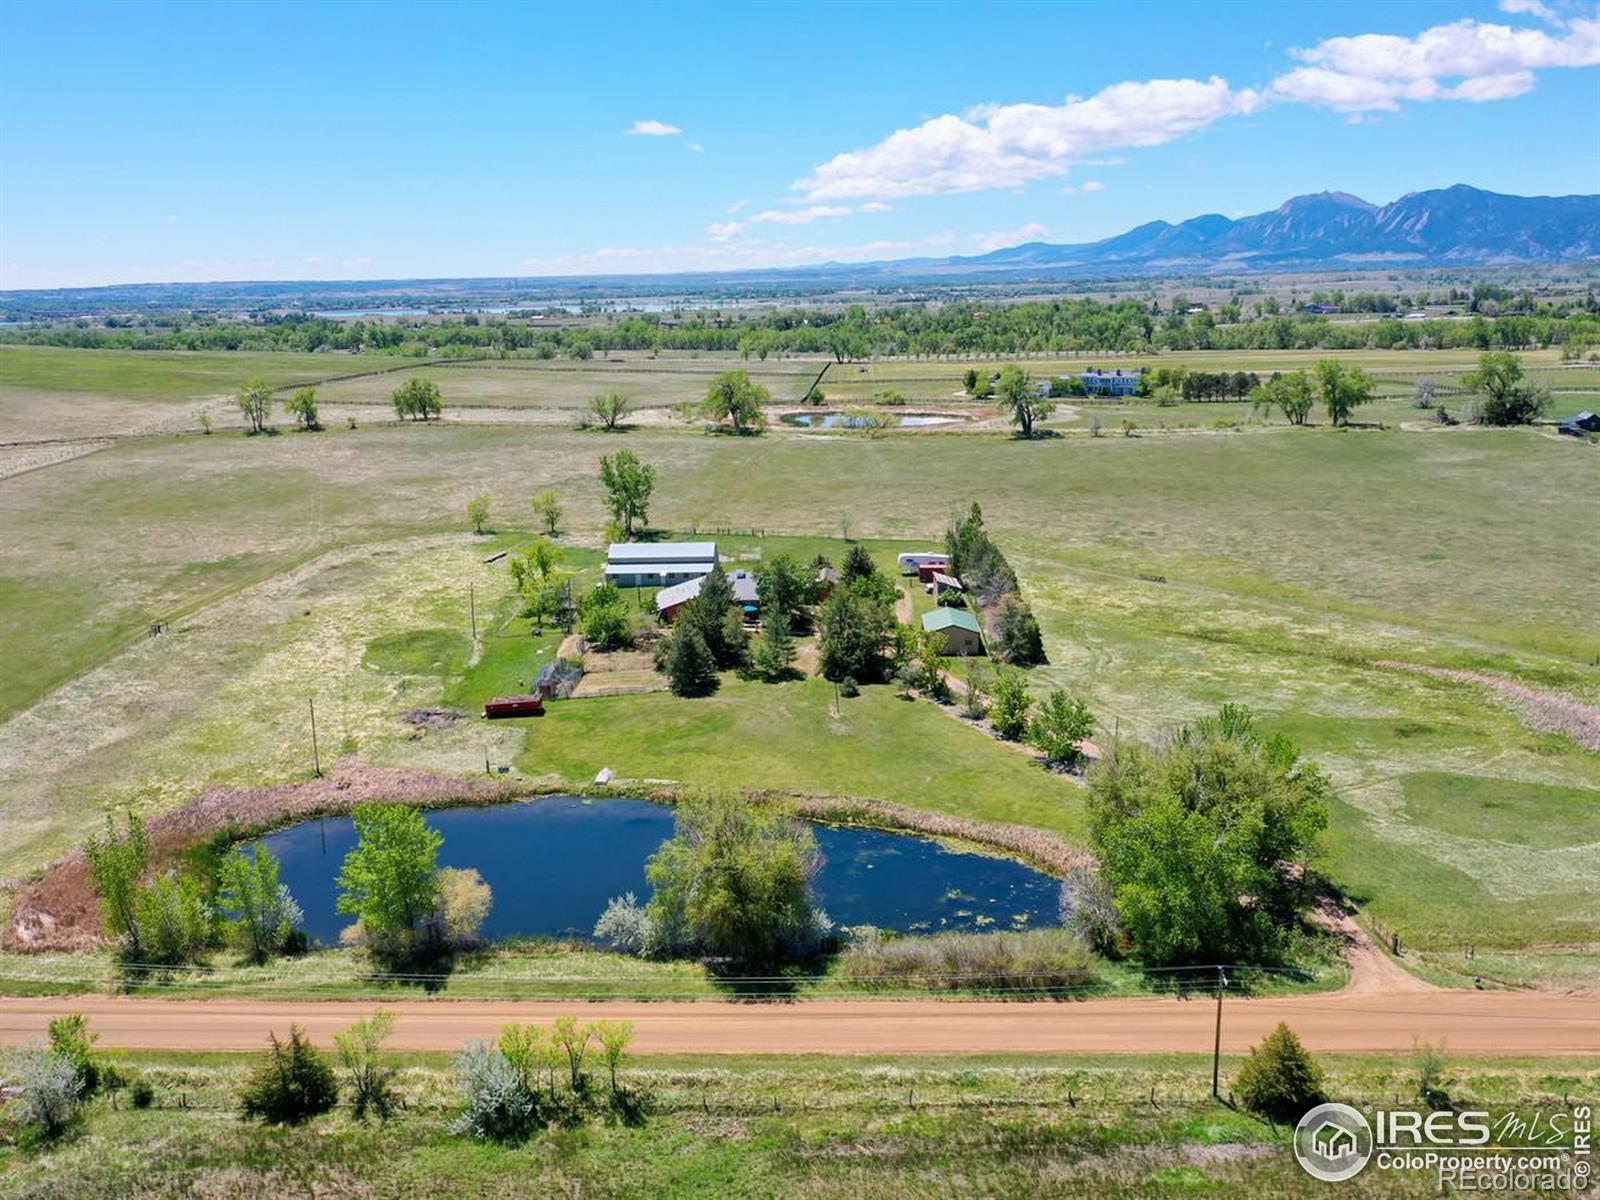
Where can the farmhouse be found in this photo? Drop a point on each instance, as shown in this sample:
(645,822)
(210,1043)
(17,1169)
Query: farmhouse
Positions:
(670,601)
(658,564)
(1110,383)
(957,627)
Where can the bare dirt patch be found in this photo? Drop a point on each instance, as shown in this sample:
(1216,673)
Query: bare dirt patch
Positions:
(58,911)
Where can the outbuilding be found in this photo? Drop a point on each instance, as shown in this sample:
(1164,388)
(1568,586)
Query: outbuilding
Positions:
(958,629)
(670,600)
(940,583)
(658,564)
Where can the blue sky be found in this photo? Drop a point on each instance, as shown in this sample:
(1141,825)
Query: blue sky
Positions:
(150,141)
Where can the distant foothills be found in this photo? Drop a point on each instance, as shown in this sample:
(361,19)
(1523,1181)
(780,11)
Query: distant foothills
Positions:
(1458,226)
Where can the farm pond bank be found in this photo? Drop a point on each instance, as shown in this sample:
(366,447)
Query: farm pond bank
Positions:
(552,864)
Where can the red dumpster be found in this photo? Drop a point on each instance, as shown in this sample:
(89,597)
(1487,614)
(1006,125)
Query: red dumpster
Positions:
(514,706)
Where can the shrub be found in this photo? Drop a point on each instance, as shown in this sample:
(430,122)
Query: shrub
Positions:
(1009,715)
(371,1079)
(458,914)
(1041,959)
(116,864)
(70,1039)
(626,925)
(603,615)
(49,1091)
(500,1106)
(848,687)
(141,1092)
(1280,1079)
(292,1083)
(176,920)
(1427,1060)
(1089,910)
(1059,725)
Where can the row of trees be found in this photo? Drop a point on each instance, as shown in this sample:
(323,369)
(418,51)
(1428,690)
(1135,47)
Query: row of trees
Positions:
(406,906)
(1340,387)
(981,566)
(960,327)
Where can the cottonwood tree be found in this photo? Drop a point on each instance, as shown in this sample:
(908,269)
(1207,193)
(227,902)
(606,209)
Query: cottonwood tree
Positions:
(418,399)
(390,879)
(1290,394)
(1510,400)
(547,507)
(302,406)
(255,402)
(734,881)
(116,864)
(256,905)
(478,513)
(611,409)
(735,398)
(628,483)
(1205,840)
(1018,397)
(1343,388)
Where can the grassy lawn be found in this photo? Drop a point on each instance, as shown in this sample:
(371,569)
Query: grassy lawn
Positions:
(984,1126)
(784,736)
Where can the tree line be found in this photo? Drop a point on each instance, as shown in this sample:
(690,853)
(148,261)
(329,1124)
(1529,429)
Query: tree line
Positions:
(954,329)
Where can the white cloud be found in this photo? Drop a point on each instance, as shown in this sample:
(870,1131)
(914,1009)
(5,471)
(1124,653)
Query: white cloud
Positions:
(697,147)
(738,206)
(1008,145)
(1001,238)
(653,129)
(781,216)
(1531,8)
(1091,185)
(875,206)
(1464,60)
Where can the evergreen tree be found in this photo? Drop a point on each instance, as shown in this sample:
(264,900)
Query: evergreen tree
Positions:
(691,671)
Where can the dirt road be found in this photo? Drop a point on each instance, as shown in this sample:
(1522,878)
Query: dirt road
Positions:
(1468,1022)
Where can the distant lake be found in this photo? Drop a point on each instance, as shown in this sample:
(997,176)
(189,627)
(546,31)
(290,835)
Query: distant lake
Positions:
(553,863)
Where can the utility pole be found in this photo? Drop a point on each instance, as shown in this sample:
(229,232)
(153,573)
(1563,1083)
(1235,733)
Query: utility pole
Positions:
(316,757)
(1216,1051)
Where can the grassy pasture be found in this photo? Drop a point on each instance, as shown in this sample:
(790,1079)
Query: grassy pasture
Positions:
(337,565)
(561,384)
(1109,1127)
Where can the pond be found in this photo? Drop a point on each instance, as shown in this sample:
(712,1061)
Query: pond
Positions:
(553,863)
(847,420)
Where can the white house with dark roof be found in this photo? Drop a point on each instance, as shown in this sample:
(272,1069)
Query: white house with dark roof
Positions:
(658,564)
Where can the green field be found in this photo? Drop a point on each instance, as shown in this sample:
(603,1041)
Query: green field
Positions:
(337,566)
(755,1127)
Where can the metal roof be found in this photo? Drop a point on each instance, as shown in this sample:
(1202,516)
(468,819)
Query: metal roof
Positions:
(743,583)
(949,581)
(944,618)
(661,552)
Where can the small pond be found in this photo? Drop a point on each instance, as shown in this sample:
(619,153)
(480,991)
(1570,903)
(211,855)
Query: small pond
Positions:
(846,420)
(553,864)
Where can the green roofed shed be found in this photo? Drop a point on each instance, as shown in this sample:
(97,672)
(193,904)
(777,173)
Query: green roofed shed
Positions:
(957,627)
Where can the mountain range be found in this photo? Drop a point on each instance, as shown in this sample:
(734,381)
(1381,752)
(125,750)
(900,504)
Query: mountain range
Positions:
(1454,226)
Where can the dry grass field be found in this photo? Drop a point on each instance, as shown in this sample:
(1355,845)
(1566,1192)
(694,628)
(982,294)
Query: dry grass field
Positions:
(299,565)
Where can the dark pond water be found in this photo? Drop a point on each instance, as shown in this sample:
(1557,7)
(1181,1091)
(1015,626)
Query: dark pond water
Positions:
(844,420)
(552,865)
